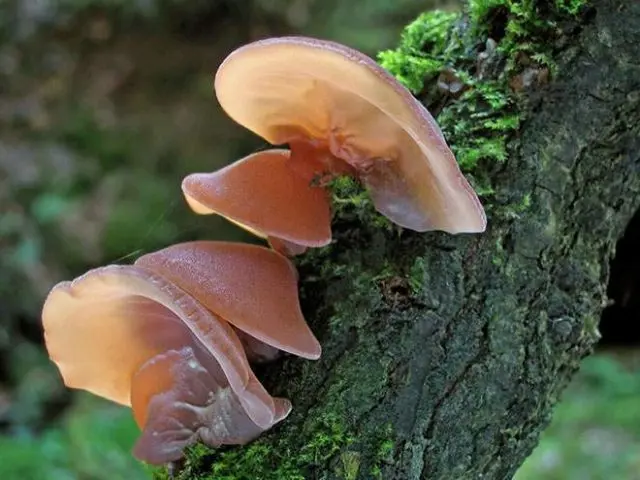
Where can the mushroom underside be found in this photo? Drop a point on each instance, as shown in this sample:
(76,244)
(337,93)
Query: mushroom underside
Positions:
(182,396)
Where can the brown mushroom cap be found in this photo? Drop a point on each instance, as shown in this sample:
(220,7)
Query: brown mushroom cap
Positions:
(102,327)
(263,195)
(253,288)
(299,90)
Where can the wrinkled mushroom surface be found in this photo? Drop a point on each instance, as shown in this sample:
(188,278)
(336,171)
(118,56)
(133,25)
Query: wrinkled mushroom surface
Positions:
(334,105)
(179,397)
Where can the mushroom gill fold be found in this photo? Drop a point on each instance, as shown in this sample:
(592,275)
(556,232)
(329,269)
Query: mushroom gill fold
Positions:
(177,400)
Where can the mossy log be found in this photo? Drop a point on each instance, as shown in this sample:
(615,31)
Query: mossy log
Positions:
(444,355)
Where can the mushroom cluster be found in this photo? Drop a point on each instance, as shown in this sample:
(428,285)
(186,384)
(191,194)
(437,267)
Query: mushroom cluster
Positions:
(340,113)
(173,335)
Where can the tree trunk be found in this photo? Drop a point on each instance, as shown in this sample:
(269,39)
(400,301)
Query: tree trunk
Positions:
(444,355)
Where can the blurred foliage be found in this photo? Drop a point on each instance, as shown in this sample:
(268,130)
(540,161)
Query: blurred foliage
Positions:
(93,441)
(367,25)
(595,432)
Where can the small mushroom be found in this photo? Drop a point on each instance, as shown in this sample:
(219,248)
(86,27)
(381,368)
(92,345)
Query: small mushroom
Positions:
(150,337)
(263,195)
(340,112)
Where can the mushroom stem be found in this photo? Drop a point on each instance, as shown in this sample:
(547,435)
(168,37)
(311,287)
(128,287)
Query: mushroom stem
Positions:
(315,164)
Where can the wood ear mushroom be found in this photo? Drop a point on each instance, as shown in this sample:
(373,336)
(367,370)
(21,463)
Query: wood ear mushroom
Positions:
(162,337)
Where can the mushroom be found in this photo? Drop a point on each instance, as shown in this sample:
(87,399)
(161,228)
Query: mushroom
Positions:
(155,336)
(264,196)
(340,112)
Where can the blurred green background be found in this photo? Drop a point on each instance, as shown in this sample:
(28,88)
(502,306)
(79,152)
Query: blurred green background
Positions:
(104,106)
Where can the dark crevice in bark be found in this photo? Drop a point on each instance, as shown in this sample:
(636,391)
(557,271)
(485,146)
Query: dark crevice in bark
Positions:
(619,320)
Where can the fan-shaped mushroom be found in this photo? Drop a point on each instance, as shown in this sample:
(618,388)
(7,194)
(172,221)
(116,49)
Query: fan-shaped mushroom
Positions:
(334,105)
(263,195)
(154,336)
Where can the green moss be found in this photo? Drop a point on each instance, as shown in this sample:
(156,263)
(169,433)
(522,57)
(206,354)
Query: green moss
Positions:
(351,201)
(350,465)
(500,255)
(364,295)
(270,457)
(479,126)
(347,192)
(571,7)
(384,451)
(480,122)
(526,30)
(422,52)
(416,275)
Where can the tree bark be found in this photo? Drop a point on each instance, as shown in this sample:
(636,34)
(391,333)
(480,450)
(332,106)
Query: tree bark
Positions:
(444,355)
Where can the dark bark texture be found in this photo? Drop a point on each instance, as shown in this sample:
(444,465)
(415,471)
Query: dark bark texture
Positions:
(444,355)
